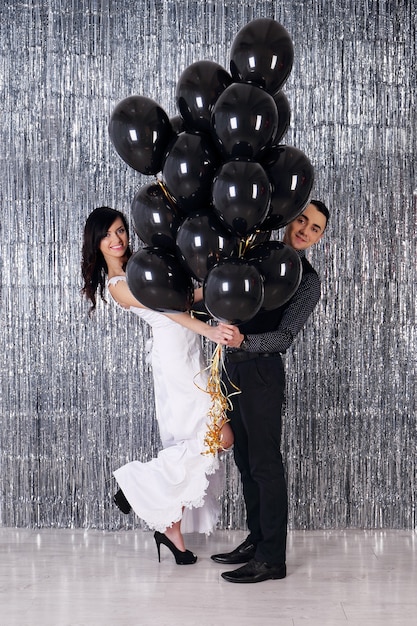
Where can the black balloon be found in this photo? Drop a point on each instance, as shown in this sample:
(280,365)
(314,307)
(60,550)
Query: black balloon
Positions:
(140,131)
(241,194)
(233,291)
(262,53)
(198,89)
(292,175)
(155,221)
(188,171)
(157,279)
(202,242)
(177,124)
(284,115)
(281,268)
(245,121)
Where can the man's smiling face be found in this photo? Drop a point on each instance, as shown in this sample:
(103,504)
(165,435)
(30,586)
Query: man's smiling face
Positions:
(306,230)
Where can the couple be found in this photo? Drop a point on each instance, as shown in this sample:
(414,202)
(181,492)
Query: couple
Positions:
(176,492)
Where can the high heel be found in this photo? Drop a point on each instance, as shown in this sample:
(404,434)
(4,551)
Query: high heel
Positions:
(181,558)
(120,501)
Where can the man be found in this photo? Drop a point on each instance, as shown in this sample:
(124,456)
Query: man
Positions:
(256,368)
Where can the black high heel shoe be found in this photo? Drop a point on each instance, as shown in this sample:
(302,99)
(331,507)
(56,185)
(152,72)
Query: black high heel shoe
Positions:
(181,558)
(120,501)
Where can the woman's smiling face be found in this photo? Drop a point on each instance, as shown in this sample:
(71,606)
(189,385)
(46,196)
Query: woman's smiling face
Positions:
(115,242)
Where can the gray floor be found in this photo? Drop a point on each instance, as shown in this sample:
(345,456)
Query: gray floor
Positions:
(92,578)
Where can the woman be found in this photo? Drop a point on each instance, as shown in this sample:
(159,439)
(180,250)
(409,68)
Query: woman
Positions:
(172,493)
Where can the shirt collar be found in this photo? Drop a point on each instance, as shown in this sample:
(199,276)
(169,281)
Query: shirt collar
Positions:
(301,253)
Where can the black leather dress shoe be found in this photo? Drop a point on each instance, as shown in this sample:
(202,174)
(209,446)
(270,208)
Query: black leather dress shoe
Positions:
(242,554)
(255,572)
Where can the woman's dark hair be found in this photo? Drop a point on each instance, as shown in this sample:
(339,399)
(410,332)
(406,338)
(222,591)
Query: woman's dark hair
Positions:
(320,206)
(93,266)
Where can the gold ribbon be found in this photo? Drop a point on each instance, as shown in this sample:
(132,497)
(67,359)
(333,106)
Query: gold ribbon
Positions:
(166,192)
(220,403)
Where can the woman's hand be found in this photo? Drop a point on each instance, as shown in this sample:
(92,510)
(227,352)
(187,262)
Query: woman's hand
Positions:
(224,334)
(232,334)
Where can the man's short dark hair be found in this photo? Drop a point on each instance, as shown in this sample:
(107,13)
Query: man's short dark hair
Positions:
(320,206)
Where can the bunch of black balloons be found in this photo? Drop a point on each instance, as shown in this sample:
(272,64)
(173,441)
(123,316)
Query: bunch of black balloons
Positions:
(223,182)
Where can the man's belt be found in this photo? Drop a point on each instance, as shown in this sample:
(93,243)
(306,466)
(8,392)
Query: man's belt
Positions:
(237,356)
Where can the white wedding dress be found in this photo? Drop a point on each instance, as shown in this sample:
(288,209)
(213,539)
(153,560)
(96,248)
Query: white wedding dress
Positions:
(180,477)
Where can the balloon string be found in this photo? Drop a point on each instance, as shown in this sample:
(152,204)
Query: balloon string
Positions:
(242,248)
(166,192)
(245,244)
(220,402)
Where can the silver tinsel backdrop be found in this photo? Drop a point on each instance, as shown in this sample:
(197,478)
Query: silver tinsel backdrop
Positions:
(76,394)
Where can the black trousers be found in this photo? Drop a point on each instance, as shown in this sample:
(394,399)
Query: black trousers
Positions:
(256,423)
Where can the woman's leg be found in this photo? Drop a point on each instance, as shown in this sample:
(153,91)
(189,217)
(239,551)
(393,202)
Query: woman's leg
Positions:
(226,436)
(174,534)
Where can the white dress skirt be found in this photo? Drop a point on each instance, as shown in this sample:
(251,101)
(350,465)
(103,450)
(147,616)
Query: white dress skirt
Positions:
(181,483)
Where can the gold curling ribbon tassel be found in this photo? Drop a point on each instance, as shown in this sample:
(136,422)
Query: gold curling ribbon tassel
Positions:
(220,403)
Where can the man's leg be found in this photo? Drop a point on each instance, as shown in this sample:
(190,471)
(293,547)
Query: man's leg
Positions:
(245,551)
(263,383)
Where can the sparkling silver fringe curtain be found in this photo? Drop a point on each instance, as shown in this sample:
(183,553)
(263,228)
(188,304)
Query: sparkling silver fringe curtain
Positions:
(76,394)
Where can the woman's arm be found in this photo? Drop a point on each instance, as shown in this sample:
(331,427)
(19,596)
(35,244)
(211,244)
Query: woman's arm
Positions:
(123,296)
(198,294)
(219,334)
